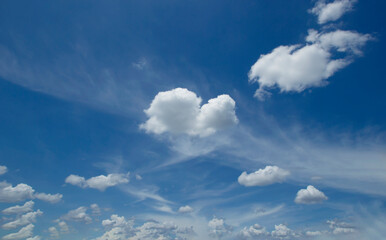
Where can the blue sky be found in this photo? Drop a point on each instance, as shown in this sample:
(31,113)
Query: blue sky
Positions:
(192,119)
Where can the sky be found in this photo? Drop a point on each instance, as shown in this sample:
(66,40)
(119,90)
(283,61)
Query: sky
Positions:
(137,120)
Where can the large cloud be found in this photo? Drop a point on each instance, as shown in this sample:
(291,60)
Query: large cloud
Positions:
(295,68)
(311,195)
(100,182)
(20,192)
(178,111)
(331,11)
(263,177)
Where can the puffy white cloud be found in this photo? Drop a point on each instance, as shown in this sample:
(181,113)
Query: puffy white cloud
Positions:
(23,233)
(295,68)
(117,221)
(3,169)
(100,182)
(20,192)
(218,228)
(253,232)
(23,220)
(178,111)
(313,233)
(51,198)
(116,233)
(311,195)
(156,230)
(327,12)
(185,209)
(262,177)
(342,41)
(282,232)
(27,207)
(63,227)
(78,215)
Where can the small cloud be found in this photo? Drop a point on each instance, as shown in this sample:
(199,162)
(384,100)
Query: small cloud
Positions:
(95,209)
(311,195)
(100,182)
(51,198)
(327,12)
(23,220)
(23,233)
(138,177)
(141,64)
(185,209)
(27,207)
(78,215)
(218,228)
(3,170)
(267,176)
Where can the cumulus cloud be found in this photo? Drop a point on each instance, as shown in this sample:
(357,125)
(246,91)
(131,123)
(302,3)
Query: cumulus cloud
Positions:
(185,209)
(253,232)
(23,233)
(178,111)
(3,170)
(295,68)
(20,192)
(282,232)
(23,220)
(78,215)
(63,227)
(218,228)
(332,11)
(262,177)
(51,198)
(95,209)
(27,207)
(100,182)
(311,195)
(53,232)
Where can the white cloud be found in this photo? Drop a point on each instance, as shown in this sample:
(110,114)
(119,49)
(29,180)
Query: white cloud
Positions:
(15,194)
(311,195)
(3,170)
(253,232)
(27,207)
(164,208)
(218,228)
(53,232)
(262,177)
(313,233)
(117,221)
(23,233)
(185,209)
(100,182)
(156,230)
(340,227)
(282,231)
(51,198)
(23,220)
(295,68)
(34,238)
(63,227)
(95,209)
(327,12)
(78,215)
(178,111)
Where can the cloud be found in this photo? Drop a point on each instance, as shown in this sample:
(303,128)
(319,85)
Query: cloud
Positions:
(51,198)
(253,232)
(185,209)
(311,195)
(262,177)
(23,220)
(327,12)
(15,194)
(117,221)
(3,170)
(100,182)
(282,232)
(34,238)
(63,227)
(95,209)
(218,228)
(53,232)
(27,207)
(23,233)
(156,230)
(78,215)
(178,111)
(338,227)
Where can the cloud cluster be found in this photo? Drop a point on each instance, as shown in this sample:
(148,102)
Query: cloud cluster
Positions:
(178,111)
(218,228)
(262,177)
(295,68)
(327,12)
(23,233)
(100,182)
(310,195)
(23,220)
